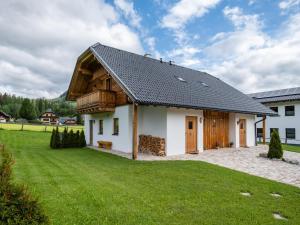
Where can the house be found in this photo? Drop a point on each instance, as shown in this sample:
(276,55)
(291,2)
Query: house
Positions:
(67,120)
(4,117)
(286,103)
(138,103)
(49,117)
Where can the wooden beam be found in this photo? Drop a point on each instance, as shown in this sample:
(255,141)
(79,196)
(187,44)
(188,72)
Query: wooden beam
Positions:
(85,72)
(134,132)
(264,130)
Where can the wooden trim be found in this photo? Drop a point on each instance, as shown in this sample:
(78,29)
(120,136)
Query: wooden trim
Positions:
(134,132)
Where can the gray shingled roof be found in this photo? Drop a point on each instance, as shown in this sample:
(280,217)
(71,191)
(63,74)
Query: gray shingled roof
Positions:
(289,94)
(148,81)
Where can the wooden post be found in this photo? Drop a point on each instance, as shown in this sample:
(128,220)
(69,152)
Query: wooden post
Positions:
(134,132)
(264,130)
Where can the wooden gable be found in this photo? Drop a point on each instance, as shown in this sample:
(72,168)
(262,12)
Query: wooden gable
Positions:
(89,77)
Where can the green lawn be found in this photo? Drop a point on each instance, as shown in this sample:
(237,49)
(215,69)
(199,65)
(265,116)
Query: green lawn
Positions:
(292,148)
(82,186)
(36,127)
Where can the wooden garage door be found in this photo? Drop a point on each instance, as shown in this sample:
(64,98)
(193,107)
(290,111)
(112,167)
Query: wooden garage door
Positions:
(216,129)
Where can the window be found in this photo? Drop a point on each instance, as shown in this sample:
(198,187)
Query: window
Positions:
(116,126)
(259,115)
(290,133)
(190,125)
(290,110)
(259,132)
(100,126)
(272,129)
(108,84)
(275,109)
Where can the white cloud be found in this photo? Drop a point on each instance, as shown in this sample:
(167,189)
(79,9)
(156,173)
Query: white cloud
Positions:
(249,59)
(40,41)
(288,4)
(185,10)
(129,12)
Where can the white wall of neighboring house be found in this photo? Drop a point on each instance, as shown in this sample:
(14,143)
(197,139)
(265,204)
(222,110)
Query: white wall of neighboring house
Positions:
(175,141)
(282,122)
(163,122)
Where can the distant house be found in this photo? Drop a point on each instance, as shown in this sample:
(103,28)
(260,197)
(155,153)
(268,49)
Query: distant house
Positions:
(68,120)
(49,117)
(132,102)
(4,117)
(286,103)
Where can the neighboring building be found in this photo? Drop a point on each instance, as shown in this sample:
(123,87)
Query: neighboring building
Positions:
(136,102)
(49,117)
(67,120)
(4,117)
(286,103)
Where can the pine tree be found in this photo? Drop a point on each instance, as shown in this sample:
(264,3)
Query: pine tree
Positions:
(52,138)
(275,147)
(82,139)
(57,142)
(72,139)
(27,110)
(77,139)
(65,138)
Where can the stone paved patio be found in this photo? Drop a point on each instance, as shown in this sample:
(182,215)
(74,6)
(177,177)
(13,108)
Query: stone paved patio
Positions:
(241,159)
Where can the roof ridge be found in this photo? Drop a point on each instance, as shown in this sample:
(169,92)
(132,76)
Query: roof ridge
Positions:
(154,59)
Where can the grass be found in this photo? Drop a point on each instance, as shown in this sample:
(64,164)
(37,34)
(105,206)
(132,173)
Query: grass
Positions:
(82,186)
(36,127)
(291,148)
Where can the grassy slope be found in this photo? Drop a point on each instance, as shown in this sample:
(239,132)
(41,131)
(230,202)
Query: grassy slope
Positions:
(88,187)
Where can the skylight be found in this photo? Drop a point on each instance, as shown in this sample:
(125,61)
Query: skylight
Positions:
(180,79)
(203,83)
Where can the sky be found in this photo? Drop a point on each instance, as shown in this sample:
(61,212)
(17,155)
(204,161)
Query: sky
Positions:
(253,45)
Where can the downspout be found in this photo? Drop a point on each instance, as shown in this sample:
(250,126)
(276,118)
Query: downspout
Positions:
(255,130)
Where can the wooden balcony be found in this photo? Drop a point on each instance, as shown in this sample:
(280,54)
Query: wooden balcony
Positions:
(97,101)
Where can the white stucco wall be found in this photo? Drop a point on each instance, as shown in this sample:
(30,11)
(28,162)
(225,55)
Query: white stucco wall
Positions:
(176,130)
(250,132)
(282,122)
(233,130)
(122,141)
(152,121)
(168,123)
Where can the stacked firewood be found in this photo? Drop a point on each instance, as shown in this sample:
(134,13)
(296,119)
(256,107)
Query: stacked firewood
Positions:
(153,145)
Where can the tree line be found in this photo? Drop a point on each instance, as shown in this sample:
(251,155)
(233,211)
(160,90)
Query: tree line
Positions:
(30,109)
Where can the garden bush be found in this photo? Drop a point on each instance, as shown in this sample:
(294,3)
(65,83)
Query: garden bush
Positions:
(17,206)
(67,139)
(275,147)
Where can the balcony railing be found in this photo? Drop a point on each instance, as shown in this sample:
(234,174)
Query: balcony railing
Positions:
(97,101)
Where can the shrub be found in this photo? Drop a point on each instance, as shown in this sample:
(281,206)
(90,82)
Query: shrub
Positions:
(17,206)
(77,139)
(82,140)
(65,139)
(52,139)
(275,148)
(72,139)
(56,139)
